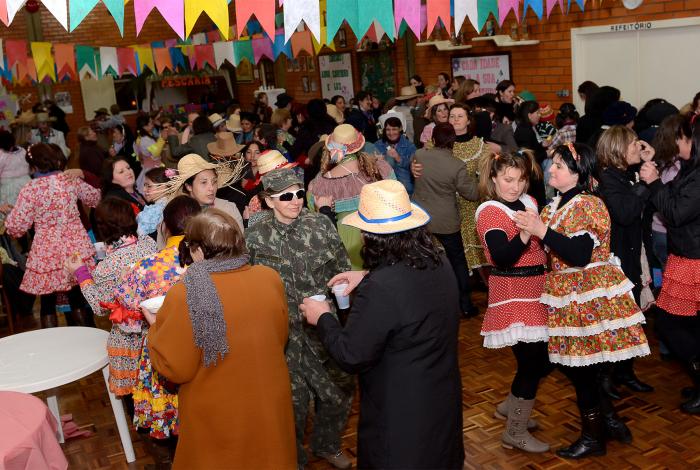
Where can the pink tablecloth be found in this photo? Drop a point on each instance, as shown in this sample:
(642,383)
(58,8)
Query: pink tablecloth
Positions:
(28,434)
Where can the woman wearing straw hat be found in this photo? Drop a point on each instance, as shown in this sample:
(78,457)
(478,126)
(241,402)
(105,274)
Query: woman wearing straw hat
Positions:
(345,169)
(224,147)
(200,180)
(401,337)
(438,111)
(306,250)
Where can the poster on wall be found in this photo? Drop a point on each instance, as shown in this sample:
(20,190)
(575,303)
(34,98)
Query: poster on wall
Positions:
(488,70)
(63,101)
(336,75)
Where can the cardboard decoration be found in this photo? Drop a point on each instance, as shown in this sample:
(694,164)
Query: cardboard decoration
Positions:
(204,54)
(262,47)
(59,9)
(381,11)
(161,56)
(79,9)
(43,60)
(535,5)
(109,63)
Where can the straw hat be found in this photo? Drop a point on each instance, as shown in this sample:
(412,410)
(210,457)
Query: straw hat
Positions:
(272,160)
(435,101)
(333,111)
(346,140)
(234,123)
(224,145)
(44,117)
(216,119)
(227,173)
(386,208)
(408,93)
(27,118)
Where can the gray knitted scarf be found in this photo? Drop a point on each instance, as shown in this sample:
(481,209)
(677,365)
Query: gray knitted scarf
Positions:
(204,304)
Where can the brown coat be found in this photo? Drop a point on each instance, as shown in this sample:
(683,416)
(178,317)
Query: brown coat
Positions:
(238,413)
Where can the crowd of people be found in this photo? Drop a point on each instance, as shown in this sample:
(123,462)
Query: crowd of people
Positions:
(244,219)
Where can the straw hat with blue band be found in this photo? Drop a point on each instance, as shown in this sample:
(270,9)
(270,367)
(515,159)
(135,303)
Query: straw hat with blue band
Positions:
(385,208)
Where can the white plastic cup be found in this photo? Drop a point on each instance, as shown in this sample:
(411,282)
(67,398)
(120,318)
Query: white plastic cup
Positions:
(343,300)
(319,297)
(101,250)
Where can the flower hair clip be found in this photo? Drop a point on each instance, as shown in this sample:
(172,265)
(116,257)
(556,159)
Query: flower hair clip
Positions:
(497,156)
(337,151)
(572,149)
(29,151)
(170,173)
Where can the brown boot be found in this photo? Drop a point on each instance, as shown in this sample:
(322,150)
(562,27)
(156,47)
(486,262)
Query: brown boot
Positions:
(502,412)
(516,434)
(49,321)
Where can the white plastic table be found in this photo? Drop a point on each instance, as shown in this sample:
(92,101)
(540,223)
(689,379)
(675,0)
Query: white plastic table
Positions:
(42,360)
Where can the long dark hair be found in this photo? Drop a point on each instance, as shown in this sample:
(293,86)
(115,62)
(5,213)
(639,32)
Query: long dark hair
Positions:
(414,248)
(582,162)
(141,122)
(524,111)
(671,129)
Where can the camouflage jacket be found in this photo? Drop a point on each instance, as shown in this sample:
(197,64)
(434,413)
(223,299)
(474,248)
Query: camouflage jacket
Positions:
(306,253)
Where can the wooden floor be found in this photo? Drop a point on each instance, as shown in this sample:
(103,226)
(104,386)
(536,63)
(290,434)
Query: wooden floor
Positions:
(663,437)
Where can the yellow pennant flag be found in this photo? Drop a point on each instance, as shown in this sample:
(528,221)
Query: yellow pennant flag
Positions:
(324,31)
(43,60)
(217,10)
(145,56)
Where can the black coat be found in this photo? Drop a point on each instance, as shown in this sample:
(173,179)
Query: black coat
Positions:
(401,337)
(525,137)
(361,122)
(679,205)
(625,200)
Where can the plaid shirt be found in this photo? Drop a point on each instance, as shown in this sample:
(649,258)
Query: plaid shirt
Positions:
(565,134)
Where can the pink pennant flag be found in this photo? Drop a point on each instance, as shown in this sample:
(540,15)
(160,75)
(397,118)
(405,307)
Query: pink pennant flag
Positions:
(423,18)
(173,13)
(504,6)
(3,12)
(262,47)
(552,3)
(204,55)
(438,9)
(410,11)
(264,11)
(126,59)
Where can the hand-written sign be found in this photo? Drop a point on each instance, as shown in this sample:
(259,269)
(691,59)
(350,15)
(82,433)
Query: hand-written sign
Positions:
(185,81)
(336,75)
(488,70)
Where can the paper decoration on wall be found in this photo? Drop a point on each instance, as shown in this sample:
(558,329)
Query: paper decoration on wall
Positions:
(59,9)
(127,61)
(79,9)
(43,60)
(409,11)
(380,10)
(216,10)
(439,9)
(199,38)
(13,7)
(223,51)
(325,39)
(86,63)
(144,58)
(264,11)
(552,3)
(26,71)
(64,56)
(581,4)
(162,58)
(242,50)
(535,5)
(466,9)
(3,12)
(177,58)
(301,41)
(173,13)
(281,46)
(297,10)
(16,50)
(486,7)
(339,10)
(109,62)
(262,47)
(205,56)
(213,36)
(504,7)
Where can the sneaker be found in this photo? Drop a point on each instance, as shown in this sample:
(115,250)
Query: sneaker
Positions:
(338,460)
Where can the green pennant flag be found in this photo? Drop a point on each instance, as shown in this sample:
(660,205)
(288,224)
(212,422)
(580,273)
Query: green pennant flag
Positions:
(243,50)
(339,10)
(484,8)
(85,55)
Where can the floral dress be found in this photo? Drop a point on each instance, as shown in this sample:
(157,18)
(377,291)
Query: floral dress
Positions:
(592,315)
(155,398)
(470,152)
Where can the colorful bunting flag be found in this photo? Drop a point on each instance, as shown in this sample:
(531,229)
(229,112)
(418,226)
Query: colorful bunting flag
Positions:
(551,4)
(504,7)
(13,6)
(16,50)
(409,11)
(144,58)
(126,57)
(213,36)
(216,10)
(223,51)
(43,60)
(177,58)
(86,61)
(109,62)
(338,11)
(64,56)
(173,13)
(296,11)
(438,9)
(26,71)
(243,50)
(59,9)
(376,10)
(262,47)
(282,46)
(486,7)
(3,12)
(466,9)
(581,4)
(79,9)
(535,5)
(301,41)
(264,11)
(204,54)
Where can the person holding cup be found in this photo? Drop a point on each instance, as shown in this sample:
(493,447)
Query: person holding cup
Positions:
(305,249)
(401,337)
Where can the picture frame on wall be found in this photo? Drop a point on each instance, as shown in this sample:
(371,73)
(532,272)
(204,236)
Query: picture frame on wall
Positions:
(311,62)
(305,84)
(244,72)
(487,69)
(295,65)
(302,63)
(314,85)
(341,38)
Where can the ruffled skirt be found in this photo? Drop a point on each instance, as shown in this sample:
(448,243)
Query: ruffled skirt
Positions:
(680,290)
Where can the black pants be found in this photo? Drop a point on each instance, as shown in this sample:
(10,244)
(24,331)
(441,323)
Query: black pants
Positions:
(75,298)
(681,335)
(585,381)
(533,364)
(454,249)
(20,302)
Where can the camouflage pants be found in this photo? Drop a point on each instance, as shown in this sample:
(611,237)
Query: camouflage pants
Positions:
(331,391)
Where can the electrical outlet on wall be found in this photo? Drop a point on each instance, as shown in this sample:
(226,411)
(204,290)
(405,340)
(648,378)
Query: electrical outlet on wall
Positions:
(562,93)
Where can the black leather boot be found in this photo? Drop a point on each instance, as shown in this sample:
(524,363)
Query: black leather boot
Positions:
(624,375)
(592,440)
(605,381)
(692,406)
(614,427)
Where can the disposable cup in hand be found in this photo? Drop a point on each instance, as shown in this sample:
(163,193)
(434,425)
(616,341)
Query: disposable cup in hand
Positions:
(343,300)
(100,250)
(319,297)
(153,304)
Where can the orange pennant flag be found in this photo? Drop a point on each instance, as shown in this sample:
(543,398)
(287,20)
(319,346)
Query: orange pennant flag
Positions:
(438,9)
(301,41)
(64,56)
(162,57)
(264,11)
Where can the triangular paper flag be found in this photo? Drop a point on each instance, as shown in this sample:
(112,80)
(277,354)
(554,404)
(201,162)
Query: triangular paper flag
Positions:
(59,9)
(127,61)
(262,47)
(177,58)
(376,10)
(85,59)
(26,71)
(43,60)
(504,7)
(108,61)
(16,50)
(13,6)
(466,9)
(64,55)
(581,4)
(438,9)
(3,13)
(243,50)
(409,11)
(213,36)
(486,7)
(173,13)
(301,41)
(162,58)
(297,10)
(339,10)
(144,55)
(199,39)
(216,10)
(535,5)
(79,9)
(281,46)
(223,51)
(264,11)
(205,56)
(552,3)
(324,41)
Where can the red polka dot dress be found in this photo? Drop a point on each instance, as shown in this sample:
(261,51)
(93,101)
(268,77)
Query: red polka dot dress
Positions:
(680,291)
(514,312)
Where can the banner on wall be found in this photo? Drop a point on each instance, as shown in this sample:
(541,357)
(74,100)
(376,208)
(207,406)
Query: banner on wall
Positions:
(336,75)
(488,70)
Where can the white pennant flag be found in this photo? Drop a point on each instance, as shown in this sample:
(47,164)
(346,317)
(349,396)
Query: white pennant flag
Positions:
(223,50)
(108,58)
(464,9)
(13,7)
(59,9)
(297,10)
(199,39)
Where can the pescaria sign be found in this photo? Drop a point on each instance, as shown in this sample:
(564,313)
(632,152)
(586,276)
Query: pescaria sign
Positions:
(176,82)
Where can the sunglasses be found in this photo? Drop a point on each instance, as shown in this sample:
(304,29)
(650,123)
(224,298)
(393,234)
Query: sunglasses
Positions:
(288,196)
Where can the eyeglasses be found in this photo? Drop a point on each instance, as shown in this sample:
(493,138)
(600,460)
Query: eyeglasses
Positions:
(288,196)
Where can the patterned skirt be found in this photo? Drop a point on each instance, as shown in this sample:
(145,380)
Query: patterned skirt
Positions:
(473,250)
(680,291)
(124,351)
